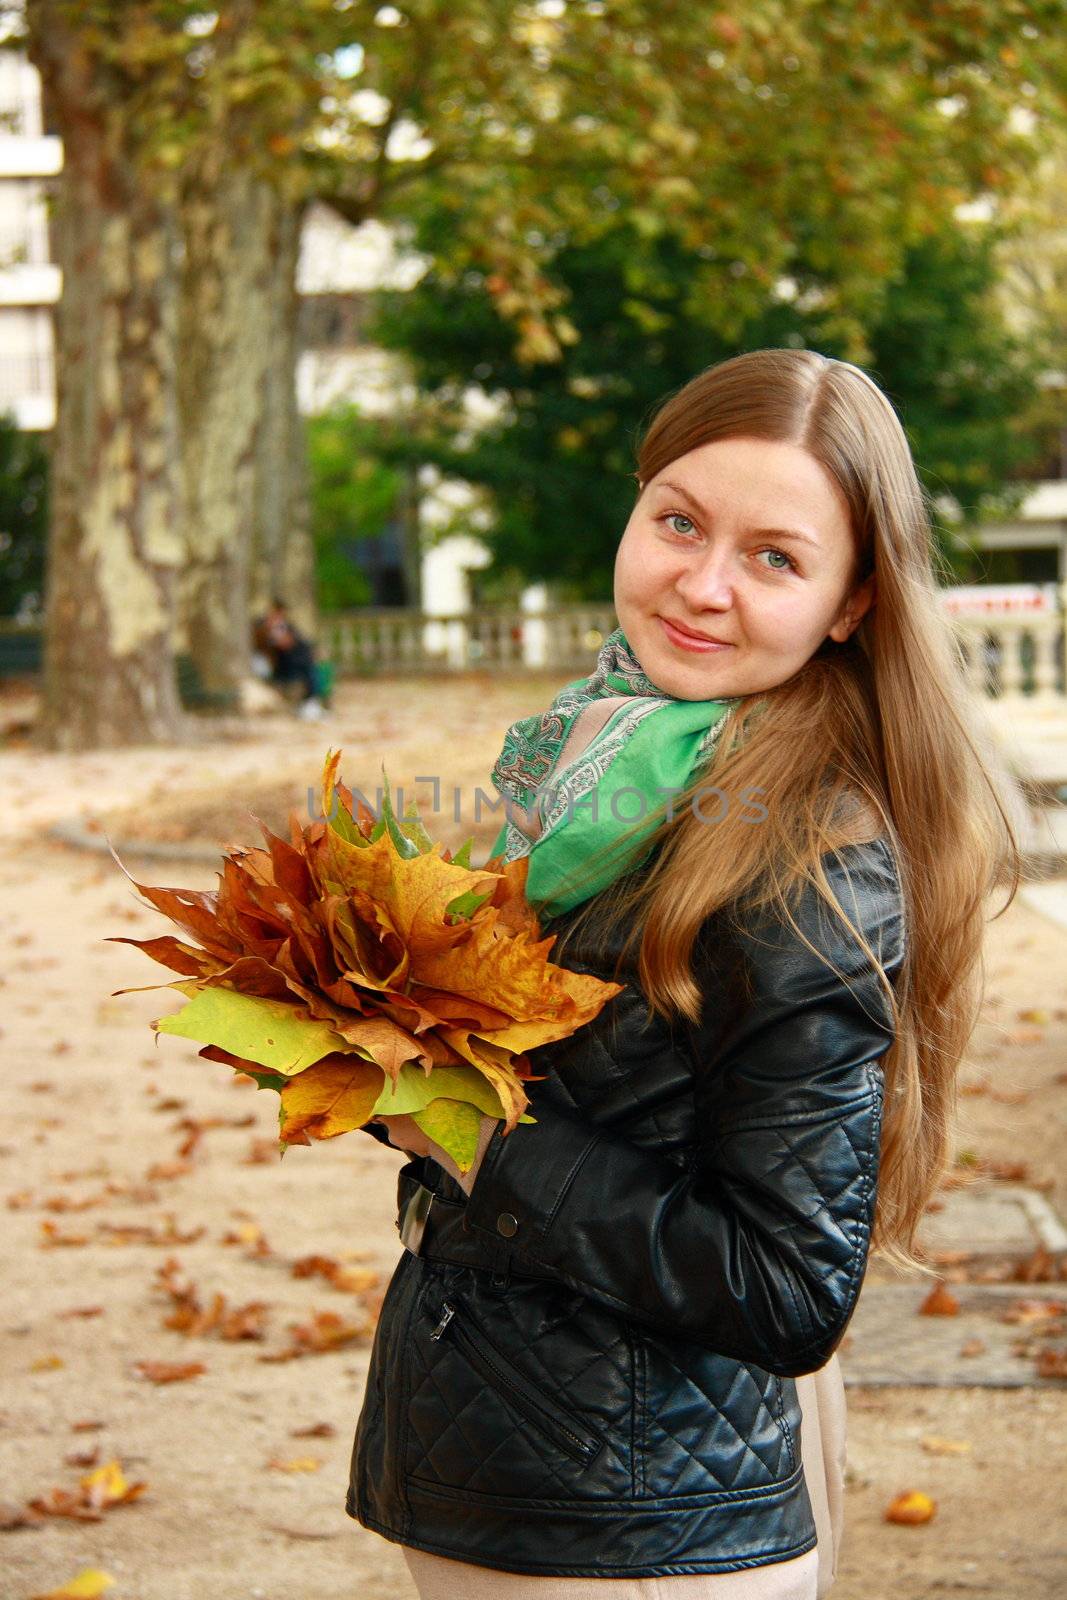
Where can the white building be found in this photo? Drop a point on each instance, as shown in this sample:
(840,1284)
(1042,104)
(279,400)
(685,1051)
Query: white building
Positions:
(339,267)
(29,282)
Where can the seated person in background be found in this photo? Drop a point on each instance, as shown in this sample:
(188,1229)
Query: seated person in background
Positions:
(291,657)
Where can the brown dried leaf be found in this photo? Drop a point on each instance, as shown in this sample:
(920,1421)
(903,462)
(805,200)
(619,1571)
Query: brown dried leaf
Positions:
(940,1302)
(13,1516)
(169,1371)
(53,1237)
(325,1332)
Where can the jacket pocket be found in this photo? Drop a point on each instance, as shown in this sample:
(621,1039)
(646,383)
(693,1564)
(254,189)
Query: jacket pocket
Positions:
(570,1435)
(709,1423)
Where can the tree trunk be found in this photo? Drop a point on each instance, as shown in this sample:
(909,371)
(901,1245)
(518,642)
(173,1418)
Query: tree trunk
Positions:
(283,562)
(114,538)
(226,338)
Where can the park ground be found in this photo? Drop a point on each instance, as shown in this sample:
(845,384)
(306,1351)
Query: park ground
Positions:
(139,1183)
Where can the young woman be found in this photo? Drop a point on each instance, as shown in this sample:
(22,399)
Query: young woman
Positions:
(769,813)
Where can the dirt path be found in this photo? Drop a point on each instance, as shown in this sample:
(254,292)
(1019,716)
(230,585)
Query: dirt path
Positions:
(90,1146)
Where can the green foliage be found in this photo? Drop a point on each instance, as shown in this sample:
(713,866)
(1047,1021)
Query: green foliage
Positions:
(354,490)
(965,385)
(23,519)
(560,460)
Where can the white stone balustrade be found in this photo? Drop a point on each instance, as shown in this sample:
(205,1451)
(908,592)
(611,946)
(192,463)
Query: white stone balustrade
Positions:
(1003,657)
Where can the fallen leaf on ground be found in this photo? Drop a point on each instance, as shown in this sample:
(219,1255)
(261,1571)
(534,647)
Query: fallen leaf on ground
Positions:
(1051,1363)
(165,1233)
(169,1371)
(53,1237)
(940,1302)
(295,1464)
(973,1347)
(108,1485)
(935,1446)
(195,1319)
(12,1516)
(250,1234)
(352,1280)
(911,1509)
(261,1152)
(88,1584)
(316,1430)
(326,1331)
(101,1490)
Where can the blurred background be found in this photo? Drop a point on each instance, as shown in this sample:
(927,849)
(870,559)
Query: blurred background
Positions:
(363,309)
(327,333)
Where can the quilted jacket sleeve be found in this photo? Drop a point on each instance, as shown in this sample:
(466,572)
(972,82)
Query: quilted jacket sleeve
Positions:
(759,1248)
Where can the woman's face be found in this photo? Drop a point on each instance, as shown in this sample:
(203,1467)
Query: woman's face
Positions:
(746,542)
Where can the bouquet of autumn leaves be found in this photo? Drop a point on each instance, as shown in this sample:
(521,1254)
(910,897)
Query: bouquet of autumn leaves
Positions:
(359,970)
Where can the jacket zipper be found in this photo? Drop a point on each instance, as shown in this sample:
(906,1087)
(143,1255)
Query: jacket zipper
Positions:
(582,1446)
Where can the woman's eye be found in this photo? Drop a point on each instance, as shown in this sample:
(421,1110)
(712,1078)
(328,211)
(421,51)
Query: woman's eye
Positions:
(789,562)
(679,516)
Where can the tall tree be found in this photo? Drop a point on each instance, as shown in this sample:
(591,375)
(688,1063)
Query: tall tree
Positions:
(115,541)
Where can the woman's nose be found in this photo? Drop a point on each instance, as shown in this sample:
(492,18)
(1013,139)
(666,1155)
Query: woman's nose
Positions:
(707,584)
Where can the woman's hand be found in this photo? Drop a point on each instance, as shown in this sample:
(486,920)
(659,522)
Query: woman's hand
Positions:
(405,1134)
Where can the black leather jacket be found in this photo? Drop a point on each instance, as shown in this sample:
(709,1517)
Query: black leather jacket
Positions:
(587,1368)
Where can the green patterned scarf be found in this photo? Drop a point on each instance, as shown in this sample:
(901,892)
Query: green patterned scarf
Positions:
(606,754)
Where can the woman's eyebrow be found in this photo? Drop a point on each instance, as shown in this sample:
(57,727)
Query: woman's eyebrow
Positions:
(778,533)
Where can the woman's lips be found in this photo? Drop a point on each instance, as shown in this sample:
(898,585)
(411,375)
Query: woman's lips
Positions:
(689,641)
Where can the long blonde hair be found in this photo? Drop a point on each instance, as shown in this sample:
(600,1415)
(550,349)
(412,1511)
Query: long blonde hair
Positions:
(876,736)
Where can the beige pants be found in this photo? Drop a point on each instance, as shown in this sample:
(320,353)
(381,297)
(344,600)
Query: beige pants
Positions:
(438,1579)
(807,1577)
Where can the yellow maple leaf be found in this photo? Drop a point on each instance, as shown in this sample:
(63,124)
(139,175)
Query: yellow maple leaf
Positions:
(88,1584)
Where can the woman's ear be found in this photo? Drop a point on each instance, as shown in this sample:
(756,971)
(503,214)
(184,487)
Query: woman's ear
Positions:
(854,610)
